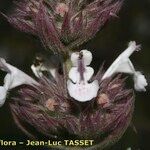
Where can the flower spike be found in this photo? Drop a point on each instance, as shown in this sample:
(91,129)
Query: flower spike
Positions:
(123,65)
(53,106)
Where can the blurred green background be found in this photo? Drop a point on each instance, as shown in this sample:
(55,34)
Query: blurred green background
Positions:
(134,24)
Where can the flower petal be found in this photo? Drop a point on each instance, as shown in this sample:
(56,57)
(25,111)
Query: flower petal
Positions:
(83,92)
(126,66)
(8,81)
(122,61)
(37,72)
(140,81)
(3,94)
(75,76)
(89,71)
(74,59)
(87,57)
(53,72)
(17,78)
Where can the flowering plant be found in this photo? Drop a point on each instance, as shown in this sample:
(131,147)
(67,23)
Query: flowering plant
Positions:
(70,100)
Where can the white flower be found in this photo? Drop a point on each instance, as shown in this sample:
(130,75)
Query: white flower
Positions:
(43,64)
(123,65)
(78,85)
(37,70)
(13,78)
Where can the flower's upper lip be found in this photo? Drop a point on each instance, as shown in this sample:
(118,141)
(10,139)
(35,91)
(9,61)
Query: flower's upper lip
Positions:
(81,55)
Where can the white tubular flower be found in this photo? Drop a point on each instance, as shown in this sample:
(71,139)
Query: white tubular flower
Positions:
(123,65)
(37,70)
(78,85)
(43,64)
(14,78)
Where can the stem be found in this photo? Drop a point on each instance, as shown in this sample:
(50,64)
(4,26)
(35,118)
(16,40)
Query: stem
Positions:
(67,64)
